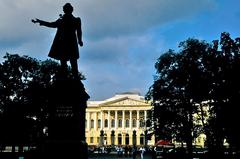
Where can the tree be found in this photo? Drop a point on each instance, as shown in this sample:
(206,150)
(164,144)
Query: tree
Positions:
(199,74)
(225,91)
(24,93)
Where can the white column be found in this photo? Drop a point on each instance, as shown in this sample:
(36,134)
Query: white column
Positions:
(88,120)
(96,121)
(130,121)
(137,119)
(102,120)
(123,120)
(116,119)
(145,115)
(145,118)
(109,119)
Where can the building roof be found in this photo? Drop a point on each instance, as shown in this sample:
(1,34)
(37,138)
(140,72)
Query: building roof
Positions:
(118,96)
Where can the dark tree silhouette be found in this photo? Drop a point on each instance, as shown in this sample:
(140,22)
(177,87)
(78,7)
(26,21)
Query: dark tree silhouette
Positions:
(197,77)
(24,94)
(177,89)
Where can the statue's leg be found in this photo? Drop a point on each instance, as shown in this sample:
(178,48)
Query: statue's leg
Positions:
(63,67)
(74,65)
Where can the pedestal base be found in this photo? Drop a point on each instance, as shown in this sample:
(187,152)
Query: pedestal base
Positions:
(66,125)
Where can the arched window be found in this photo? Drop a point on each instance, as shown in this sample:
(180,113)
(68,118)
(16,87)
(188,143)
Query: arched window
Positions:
(141,139)
(134,123)
(91,139)
(127,123)
(113,123)
(120,123)
(106,123)
(119,139)
(141,123)
(92,123)
(127,139)
(99,123)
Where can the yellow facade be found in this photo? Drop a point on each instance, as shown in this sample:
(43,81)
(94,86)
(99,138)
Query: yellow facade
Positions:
(121,114)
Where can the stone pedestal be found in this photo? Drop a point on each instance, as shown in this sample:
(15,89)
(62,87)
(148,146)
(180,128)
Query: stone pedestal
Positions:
(66,125)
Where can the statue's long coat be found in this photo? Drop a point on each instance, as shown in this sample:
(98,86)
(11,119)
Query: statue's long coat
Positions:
(65,43)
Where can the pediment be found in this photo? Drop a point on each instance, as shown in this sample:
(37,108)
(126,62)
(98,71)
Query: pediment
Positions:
(125,102)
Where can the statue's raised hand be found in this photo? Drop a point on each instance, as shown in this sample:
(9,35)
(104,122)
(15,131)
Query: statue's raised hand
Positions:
(36,21)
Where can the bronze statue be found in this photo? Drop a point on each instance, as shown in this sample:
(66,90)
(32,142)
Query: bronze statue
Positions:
(67,38)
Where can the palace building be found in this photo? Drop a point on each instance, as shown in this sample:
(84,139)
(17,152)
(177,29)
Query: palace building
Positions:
(120,120)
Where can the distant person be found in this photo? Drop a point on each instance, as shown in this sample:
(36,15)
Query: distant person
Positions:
(67,38)
(126,150)
(134,152)
(142,151)
(119,151)
(129,151)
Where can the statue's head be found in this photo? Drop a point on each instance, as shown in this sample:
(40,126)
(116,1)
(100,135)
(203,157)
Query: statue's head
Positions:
(67,8)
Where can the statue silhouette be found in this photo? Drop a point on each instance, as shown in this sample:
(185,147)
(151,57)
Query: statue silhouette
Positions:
(67,38)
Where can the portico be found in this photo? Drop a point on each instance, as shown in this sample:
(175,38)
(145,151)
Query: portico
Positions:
(118,117)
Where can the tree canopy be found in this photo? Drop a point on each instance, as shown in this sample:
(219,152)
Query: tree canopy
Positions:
(198,84)
(24,93)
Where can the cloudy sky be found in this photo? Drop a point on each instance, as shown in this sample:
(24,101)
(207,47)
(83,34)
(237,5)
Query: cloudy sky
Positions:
(122,38)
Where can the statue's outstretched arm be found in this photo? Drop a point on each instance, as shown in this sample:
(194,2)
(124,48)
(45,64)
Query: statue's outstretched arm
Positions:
(44,23)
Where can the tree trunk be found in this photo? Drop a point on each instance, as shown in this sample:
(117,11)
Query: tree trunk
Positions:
(189,131)
(189,142)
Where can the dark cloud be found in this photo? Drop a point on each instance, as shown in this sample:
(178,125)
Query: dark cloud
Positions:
(120,47)
(117,18)
(100,18)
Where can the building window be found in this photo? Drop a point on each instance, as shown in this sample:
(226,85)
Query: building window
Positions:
(91,139)
(113,123)
(112,113)
(141,123)
(119,113)
(141,113)
(127,123)
(106,123)
(99,123)
(134,113)
(120,123)
(134,123)
(119,139)
(86,126)
(141,139)
(127,139)
(92,123)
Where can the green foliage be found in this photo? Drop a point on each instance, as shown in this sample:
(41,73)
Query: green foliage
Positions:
(24,93)
(199,73)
